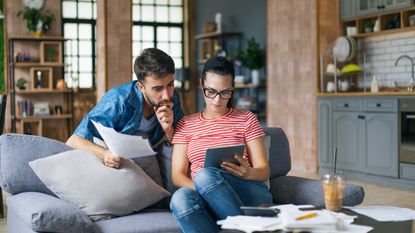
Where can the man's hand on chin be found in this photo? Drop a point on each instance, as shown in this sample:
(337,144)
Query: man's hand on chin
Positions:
(165,116)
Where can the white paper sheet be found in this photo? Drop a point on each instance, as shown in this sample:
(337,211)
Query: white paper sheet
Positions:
(385,213)
(127,146)
(251,223)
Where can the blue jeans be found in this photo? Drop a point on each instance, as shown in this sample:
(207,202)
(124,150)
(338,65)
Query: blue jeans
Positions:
(218,194)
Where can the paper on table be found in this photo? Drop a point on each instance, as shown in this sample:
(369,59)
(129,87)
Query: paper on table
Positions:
(385,213)
(127,146)
(251,223)
(290,213)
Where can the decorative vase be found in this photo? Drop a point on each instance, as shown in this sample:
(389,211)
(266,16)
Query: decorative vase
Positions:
(61,85)
(38,32)
(255,77)
(376,28)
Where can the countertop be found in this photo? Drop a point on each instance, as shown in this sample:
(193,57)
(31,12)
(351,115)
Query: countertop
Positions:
(382,93)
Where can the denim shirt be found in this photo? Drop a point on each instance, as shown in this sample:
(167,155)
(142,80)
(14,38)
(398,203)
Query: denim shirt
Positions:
(121,108)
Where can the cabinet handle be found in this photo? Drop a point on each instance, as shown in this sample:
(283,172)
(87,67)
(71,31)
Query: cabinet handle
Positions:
(346,105)
(378,105)
(361,117)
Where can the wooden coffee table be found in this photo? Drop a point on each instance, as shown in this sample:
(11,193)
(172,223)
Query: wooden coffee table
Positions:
(378,227)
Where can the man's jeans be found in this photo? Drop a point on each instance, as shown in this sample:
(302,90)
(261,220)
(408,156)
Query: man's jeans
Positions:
(218,194)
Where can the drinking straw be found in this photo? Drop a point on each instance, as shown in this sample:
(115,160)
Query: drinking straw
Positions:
(334,161)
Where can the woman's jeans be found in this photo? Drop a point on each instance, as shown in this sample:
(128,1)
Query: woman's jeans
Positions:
(218,194)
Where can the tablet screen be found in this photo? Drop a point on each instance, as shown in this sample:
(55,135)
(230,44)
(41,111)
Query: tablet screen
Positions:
(215,156)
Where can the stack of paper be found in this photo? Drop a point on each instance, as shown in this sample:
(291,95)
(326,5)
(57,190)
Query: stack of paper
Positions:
(251,224)
(322,220)
(288,219)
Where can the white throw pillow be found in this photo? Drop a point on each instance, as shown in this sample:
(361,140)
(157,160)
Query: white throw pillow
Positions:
(102,192)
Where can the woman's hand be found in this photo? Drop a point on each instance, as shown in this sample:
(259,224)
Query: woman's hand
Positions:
(259,170)
(243,170)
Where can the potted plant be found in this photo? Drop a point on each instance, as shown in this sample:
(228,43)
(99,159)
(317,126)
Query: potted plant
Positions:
(368,26)
(36,21)
(253,58)
(21,83)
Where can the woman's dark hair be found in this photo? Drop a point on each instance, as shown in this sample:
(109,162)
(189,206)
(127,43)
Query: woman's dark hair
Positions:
(153,61)
(221,66)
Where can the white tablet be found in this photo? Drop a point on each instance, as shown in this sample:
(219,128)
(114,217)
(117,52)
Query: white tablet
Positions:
(215,156)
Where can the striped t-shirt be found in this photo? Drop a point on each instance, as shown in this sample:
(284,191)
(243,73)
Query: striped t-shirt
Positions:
(235,127)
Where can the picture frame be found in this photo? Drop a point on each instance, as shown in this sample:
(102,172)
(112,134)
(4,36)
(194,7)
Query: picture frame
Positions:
(41,78)
(50,52)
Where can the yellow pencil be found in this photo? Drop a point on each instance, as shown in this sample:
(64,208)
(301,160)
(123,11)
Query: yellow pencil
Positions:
(310,215)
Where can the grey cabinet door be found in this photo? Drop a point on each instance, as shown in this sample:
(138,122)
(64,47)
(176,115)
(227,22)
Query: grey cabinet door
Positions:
(348,9)
(324,134)
(396,4)
(382,144)
(348,137)
(367,7)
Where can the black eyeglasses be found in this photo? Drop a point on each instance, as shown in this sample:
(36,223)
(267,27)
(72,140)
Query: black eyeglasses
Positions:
(212,93)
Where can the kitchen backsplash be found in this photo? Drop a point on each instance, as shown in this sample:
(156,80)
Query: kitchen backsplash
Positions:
(381,53)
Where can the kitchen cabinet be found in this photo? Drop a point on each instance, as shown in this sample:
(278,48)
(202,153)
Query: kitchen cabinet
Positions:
(365,132)
(368,7)
(348,133)
(348,9)
(325,149)
(381,144)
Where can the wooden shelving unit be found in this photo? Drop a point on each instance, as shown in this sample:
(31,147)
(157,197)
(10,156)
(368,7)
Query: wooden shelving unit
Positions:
(42,71)
(211,44)
(390,22)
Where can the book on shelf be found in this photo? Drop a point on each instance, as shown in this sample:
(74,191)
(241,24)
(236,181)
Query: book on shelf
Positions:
(24,108)
(41,109)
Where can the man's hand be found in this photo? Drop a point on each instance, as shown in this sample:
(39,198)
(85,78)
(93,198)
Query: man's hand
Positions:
(165,116)
(111,160)
(242,170)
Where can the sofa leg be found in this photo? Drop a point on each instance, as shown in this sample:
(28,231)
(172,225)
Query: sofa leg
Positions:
(1,204)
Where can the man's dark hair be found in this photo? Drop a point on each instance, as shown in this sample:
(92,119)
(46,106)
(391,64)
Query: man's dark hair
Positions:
(153,61)
(218,65)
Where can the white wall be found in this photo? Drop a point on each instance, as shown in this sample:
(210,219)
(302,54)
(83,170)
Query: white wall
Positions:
(381,54)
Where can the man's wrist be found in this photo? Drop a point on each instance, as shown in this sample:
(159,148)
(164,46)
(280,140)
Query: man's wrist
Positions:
(169,134)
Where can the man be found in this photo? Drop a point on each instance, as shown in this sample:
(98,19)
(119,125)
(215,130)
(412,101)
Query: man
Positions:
(148,106)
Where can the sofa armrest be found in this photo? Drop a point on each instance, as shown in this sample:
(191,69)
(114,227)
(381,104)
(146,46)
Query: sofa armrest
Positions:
(45,213)
(16,151)
(301,191)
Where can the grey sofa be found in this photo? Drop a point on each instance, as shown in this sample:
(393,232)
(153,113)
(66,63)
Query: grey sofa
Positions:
(32,207)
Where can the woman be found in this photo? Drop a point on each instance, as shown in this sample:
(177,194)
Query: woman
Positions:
(211,193)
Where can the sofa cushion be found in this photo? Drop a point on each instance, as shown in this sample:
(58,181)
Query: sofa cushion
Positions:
(45,213)
(279,152)
(102,192)
(301,191)
(164,156)
(16,150)
(148,163)
(146,221)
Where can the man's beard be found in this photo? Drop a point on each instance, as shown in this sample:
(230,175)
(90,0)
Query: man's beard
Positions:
(158,103)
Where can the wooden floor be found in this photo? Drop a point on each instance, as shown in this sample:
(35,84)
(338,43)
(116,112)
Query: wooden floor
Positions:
(375,195)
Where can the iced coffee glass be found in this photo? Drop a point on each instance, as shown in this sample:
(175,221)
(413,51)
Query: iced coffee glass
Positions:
(333,190)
